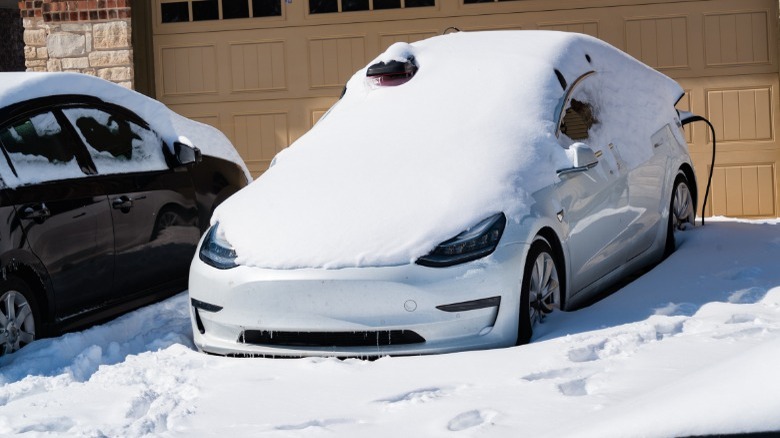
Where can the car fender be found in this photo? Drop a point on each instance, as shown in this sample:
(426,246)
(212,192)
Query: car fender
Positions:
(24,264)
(533,226)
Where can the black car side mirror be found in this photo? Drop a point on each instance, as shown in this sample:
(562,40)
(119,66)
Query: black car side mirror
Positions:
(186,154)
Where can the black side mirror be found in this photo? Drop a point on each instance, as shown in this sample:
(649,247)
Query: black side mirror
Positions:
(185,154)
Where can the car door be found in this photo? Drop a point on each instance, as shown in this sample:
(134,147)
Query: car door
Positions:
(153,206)
(593,193)
(648,188)
(64,215)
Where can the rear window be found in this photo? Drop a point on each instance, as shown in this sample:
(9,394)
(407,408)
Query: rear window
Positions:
(36,150)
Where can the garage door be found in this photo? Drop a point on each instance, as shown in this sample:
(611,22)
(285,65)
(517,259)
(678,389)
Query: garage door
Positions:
(263,71)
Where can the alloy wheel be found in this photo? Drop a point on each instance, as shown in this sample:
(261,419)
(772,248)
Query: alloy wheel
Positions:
(17,323)
(544,290)
(682,207)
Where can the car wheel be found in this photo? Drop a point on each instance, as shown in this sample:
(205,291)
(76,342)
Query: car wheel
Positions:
(166,218)
(540,288)
(681,212)
(18,315)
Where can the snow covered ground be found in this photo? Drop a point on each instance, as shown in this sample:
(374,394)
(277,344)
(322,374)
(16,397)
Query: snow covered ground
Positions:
(691,347)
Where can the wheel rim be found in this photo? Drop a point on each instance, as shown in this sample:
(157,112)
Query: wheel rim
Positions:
(17,324)
(168,219)
(544,290)
(682,207)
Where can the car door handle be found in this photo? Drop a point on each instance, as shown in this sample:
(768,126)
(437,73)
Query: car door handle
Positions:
(39,212)
(123,203)
(573,170)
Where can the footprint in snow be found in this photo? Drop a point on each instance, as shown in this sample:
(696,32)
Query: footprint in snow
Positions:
(625,344)
(742,318)
(417,396)
(140,405)
(677,309)
(315,423)
(551,374)
(59,425)
(741,273)
(574,388)
(587,353)
(741,334)
(470,419)
(747,296)
(670,328)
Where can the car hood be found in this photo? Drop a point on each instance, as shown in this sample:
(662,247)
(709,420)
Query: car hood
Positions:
(391,172)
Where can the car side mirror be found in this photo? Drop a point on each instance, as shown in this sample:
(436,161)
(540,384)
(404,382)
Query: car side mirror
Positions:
(582,157)
(186,154)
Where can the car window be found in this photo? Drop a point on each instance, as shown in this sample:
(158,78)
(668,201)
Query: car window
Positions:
(115,143)
(36,149)
(578,115)
(578,120)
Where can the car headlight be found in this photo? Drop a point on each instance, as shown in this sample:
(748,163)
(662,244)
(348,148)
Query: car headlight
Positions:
(474,243)
(216,251)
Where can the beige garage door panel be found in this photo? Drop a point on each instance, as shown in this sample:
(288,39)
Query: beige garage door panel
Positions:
(265,82)
(744,111)
(260,129)
(188,70)
(303,61)
(744,190)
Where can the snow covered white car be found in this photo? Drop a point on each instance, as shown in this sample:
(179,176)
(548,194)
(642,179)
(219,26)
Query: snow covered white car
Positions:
(103,200)
(462,188)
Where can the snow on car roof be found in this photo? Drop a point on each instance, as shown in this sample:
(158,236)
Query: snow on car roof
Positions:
(391,172)
(19,87)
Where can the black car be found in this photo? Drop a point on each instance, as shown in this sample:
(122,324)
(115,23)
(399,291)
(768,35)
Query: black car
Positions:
(100,214)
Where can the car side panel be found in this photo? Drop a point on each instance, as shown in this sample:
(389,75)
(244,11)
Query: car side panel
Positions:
(75,242)
(156,233)
(594,204)
(649,189)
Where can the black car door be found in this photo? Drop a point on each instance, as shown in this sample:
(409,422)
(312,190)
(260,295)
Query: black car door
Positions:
(152,205)
(64,215)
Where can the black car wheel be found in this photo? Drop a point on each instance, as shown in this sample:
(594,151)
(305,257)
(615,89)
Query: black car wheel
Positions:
(540,288)
(681,212)
(167,217)
(18,315)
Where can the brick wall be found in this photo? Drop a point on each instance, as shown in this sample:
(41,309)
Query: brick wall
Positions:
(86,36)
(76,10)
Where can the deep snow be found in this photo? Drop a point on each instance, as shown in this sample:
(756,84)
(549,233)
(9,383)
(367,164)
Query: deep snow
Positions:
(691,347)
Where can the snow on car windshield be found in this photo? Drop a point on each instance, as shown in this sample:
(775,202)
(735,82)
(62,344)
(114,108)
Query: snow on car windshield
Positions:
(393,171)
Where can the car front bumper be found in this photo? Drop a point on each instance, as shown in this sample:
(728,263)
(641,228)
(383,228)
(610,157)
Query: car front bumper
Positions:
(357,312)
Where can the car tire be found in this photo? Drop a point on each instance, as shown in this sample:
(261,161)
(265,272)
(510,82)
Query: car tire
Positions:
(19,316)
(166,217)
(682,212)
(540,289)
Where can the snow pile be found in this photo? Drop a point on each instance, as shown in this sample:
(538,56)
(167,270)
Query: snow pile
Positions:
(391,172)
(19,87)
(689,348)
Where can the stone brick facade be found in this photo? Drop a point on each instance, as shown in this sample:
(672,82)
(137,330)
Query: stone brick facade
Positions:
(86,36)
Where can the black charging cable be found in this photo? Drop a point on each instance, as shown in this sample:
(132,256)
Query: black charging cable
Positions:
(687,118)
